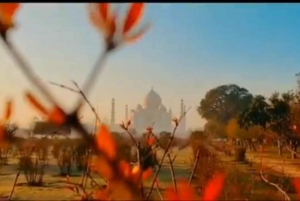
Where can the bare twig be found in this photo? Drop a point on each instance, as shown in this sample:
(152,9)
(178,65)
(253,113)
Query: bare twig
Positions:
(72,118)
(164,155)
(158,191)
(78,91)
(172,173)
(132,138)
(28,72)
(92,76)
(287,198)
(14,185)
(194,167)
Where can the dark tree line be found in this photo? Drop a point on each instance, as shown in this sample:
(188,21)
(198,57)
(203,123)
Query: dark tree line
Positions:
(233,112)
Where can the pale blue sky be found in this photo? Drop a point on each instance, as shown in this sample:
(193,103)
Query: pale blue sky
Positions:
(190,49)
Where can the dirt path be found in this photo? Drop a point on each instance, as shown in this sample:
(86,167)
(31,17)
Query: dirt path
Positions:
(285,166)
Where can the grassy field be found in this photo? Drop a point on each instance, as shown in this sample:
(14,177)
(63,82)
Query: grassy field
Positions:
(243,180)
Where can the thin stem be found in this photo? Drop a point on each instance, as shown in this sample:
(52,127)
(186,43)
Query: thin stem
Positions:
(88,102)
(172,173)
(78,91)
(29,73)
(132,138)
(164,155)
(194,166)
(113,164)
(158,191)
(284,193)
(92,76)
(14,185)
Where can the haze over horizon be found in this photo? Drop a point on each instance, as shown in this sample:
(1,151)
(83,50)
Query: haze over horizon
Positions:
(190,49)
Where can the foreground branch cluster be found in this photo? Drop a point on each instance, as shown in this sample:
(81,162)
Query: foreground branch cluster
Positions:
(123,179)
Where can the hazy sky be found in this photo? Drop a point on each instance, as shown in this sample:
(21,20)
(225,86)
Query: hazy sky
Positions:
(190,49)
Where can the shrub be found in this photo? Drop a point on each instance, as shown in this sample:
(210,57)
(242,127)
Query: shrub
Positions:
(64,161)
(32,167)
(80,156)
(207,164)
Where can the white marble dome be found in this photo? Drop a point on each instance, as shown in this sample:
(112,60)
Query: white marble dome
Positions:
(139,107)
(162,108)
(152,100)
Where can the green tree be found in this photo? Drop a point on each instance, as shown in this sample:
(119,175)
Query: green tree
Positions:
(224,102)
(257,113)
(245,136)
(272,115)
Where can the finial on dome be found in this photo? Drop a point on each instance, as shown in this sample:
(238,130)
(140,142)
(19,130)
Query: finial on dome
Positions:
(151,88)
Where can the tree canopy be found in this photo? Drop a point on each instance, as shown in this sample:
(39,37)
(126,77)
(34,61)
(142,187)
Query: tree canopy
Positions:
(224,102)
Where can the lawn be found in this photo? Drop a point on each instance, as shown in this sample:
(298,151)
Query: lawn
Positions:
(243,180)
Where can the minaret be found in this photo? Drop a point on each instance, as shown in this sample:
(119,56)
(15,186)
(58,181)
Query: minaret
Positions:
(171,117)
(126,113)
(112,117)
(181,108)
(180,116)
(184,120)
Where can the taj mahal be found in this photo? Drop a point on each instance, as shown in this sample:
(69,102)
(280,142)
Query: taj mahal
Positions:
(151,113)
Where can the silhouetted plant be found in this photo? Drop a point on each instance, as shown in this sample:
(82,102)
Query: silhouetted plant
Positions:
(32,167)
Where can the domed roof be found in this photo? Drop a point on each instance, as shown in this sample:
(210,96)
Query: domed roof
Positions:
(162,108)
(139,107)
(152,100)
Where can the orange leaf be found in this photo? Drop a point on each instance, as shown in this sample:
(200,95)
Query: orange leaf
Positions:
(100,195)
(93,16)
(133,17)
(103,168)
(57,116)
(170,194)
(106,142)
(150,140)
(35,103)
(7,11)
(135,173)
(184,192)
(296,183)
(125,168)
(147,174)
(103,9)
(136,36)
(111,25)
(214,187)
(8,110)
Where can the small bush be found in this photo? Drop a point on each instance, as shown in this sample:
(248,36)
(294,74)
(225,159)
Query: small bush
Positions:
(32,167)
(207,164)
(64,161)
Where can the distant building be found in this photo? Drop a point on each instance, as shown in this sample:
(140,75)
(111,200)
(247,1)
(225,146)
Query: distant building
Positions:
(48,128)
(152,113)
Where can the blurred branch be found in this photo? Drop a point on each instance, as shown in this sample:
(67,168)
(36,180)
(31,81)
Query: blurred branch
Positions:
(158,191)
(194,167)
(172,172)
(78,91)
(177,122)
(287,198)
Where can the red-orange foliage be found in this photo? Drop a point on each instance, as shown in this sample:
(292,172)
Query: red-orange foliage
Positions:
(185,192)
(105,21)
(6,117)
(7,13)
